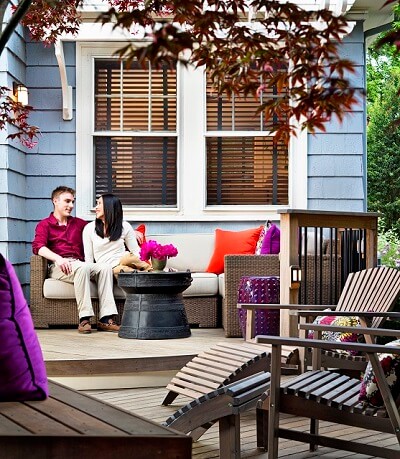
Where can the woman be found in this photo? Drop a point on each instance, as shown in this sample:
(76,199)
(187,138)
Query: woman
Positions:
(107,239)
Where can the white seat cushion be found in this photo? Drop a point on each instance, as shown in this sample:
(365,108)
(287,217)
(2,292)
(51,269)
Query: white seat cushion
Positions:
(53,288)
(203,284)
(221,284)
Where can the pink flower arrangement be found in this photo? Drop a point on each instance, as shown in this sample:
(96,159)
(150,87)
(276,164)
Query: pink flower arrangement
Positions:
(152,249)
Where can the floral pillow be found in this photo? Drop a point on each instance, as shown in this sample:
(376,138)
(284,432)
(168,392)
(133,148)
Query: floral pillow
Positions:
(261,238)
(369,391)
(338,336)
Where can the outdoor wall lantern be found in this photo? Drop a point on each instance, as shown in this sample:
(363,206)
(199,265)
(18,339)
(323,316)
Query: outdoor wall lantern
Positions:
(295,276)
(20,93)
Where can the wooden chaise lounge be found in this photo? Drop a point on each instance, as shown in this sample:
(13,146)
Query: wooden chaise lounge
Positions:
(70,424)
(224,406)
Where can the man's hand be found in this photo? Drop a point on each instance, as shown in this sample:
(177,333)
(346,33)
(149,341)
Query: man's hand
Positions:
(64,264)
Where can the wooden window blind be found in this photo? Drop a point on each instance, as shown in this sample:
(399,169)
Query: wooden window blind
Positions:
(247,171)
(141,171)
(243,169)
(139,166)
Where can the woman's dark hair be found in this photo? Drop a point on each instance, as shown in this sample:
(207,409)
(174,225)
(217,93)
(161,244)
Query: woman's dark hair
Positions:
(112,217)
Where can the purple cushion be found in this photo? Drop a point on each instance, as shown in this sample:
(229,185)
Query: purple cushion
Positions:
(272,241)
(22,369)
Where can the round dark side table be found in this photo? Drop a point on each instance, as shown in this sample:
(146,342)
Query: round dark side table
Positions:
(154,305)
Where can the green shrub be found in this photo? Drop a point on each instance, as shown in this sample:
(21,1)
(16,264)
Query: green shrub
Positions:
(389,249)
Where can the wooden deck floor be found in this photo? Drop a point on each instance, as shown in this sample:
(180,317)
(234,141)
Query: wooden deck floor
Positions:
(132,374)
(147,403)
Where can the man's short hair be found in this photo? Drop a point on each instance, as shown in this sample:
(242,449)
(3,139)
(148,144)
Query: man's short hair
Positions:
(60,190)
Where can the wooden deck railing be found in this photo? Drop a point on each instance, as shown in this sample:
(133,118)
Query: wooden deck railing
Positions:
(340,242)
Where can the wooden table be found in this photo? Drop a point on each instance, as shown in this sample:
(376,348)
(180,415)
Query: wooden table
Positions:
(154,306)
(70,424)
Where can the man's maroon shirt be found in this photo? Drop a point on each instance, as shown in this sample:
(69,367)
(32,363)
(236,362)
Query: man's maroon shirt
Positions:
(64,240)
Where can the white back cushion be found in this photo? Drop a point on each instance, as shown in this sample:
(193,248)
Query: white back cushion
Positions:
(194,249)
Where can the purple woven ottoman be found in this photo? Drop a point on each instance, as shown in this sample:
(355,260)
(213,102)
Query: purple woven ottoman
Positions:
(256,289)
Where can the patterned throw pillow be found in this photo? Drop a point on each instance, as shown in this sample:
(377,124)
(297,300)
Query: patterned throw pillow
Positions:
(369,391)
(338,336)
(261,238)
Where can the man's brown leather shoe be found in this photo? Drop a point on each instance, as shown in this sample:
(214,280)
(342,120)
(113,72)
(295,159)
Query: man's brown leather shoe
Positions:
(85,327)
(110,326)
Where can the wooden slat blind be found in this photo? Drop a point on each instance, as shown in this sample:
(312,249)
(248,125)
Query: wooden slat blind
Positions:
(139,168)
(246,170)
(242,169)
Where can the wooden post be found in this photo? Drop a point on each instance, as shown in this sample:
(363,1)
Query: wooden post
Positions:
(288,256)
(371,255)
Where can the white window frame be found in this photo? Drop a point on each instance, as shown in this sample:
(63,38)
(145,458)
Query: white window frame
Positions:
(191,154)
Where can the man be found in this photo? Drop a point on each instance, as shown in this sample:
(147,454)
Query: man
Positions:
(59,239)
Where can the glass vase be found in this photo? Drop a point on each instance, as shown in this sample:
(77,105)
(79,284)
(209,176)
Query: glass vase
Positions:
(158,264)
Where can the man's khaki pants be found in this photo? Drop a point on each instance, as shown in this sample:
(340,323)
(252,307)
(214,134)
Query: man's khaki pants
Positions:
(81,274)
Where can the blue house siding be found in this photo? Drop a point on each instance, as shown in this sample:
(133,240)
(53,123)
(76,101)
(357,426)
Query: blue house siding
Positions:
(52,162)
(13,233)
(336,158)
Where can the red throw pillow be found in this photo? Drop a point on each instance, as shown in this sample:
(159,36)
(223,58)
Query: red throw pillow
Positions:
(142,229)
(232,242)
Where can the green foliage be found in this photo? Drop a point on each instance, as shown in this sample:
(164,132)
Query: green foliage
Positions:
(383,136)
(389,248)
(380,63)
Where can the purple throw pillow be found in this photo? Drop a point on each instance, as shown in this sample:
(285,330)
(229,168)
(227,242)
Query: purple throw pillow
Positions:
(272,241)
(22,369)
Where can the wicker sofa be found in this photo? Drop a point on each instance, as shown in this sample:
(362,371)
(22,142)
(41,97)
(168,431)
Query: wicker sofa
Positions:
(53,303)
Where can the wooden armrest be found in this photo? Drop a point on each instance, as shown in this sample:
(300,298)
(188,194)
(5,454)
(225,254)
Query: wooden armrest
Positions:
(280,306)
(321,344)
(345,329)
(371,314)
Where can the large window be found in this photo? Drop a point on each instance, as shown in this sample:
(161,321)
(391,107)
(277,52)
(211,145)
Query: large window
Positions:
(140,167)
(172,149)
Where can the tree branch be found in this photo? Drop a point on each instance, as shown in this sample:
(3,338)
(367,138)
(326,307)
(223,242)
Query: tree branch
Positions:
(19,13)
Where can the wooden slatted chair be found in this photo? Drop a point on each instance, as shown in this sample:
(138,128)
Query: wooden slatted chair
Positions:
(369,294)
(328,396)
